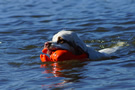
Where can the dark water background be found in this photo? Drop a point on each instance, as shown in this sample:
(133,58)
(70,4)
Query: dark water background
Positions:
(26,24)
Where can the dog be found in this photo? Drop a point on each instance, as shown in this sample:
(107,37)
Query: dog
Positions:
(69,40)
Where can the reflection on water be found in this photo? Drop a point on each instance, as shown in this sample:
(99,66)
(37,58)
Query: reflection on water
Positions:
(70,70)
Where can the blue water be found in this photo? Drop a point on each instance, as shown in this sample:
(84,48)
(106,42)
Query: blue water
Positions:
(26,24)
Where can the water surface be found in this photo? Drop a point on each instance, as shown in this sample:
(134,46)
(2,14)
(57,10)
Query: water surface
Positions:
(26,24)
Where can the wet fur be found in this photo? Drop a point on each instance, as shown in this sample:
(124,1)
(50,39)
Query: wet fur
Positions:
(70,41)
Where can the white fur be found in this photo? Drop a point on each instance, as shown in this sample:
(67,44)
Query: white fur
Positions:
(72,37)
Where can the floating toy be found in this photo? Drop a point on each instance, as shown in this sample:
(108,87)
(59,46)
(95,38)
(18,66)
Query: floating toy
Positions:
(61,55)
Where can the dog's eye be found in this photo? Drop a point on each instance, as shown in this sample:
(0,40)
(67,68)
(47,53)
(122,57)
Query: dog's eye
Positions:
(61,41)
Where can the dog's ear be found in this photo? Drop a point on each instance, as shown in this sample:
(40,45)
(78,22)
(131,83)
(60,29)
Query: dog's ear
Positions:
(78,49)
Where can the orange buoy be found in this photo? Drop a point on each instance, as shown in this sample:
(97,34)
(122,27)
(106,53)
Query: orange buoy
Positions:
(61,55)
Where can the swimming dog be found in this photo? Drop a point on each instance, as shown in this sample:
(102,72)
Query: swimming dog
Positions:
(68,40)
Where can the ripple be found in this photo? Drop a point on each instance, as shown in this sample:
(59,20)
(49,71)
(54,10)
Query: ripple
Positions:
(45,21)
(87,24)
(29,47)
(101,29)
(129,65)
(15,64)
(33,16)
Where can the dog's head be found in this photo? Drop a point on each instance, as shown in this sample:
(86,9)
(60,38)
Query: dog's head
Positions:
(66,40)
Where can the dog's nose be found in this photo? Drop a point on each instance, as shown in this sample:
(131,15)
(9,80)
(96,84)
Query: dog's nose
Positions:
(47,44)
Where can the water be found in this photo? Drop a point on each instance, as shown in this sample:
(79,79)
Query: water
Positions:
(26,24)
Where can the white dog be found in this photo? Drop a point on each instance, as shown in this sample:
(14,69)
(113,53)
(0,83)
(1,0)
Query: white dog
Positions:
(69,40)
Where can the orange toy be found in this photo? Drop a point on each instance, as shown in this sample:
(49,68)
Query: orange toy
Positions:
(61,55)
